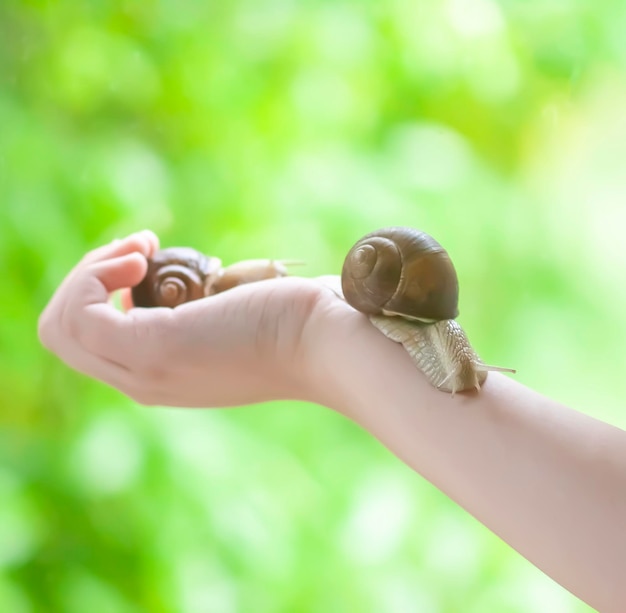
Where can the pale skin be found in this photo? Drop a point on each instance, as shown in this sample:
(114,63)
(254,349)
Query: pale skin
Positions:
(548,480)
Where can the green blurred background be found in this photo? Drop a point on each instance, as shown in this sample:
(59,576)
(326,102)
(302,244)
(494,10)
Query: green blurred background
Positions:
(288,129)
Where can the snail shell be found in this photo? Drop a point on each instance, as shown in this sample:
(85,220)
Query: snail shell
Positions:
(176,275)
(401,271)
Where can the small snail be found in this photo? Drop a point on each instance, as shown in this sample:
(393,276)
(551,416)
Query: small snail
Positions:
(180,274)
(404,280)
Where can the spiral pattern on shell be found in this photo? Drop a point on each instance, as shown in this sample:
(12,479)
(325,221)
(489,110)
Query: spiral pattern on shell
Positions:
(401,271)
(175,276)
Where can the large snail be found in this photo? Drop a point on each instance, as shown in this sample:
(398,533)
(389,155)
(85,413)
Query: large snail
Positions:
(401,278)
(404,280)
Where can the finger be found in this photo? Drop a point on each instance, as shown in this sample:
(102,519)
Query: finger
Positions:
(119,272)
(95,283)
(88,318)
(141,341)
(55,338)
(101,329)
(145,242)
(65,319)
(88,286)
(96,367)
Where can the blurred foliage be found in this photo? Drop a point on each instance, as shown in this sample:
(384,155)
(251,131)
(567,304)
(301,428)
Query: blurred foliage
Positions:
(288,129)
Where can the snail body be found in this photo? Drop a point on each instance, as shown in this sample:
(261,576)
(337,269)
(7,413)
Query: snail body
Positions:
(404,280)
(249,271)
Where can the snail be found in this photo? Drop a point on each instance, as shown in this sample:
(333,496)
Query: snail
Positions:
(401,278)
(181,274)
(404,280)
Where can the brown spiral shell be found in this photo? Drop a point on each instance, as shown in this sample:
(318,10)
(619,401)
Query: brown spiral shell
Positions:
(401,271)
(176,275)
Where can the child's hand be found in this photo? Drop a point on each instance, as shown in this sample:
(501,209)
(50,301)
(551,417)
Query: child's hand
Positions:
(243,346)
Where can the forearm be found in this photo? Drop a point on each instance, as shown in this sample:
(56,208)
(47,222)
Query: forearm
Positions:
(549,481)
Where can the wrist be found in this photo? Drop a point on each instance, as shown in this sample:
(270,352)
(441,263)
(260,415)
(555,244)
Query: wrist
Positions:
(288,344)
(337,339)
